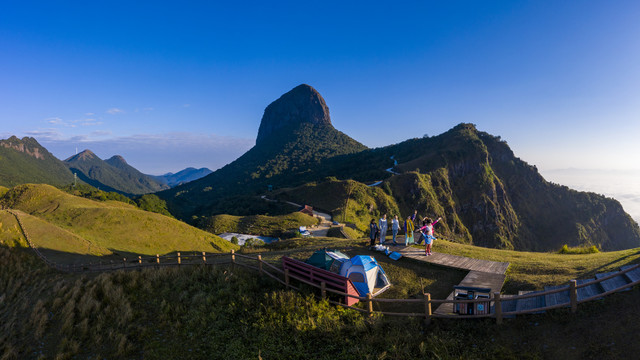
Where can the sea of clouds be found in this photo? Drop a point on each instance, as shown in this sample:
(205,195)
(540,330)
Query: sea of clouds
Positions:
(622,185)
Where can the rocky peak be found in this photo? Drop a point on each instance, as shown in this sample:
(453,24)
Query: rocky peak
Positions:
(303,104)
(27,145)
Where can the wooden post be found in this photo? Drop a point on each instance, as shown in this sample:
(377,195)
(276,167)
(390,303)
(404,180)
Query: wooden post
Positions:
(427,308)
(233,261)
(260,264)
(124,262)
(179,261)
(286,277)
(204,257)
(139,260)
(323,290)
(498,307)
(157,260)
(369,305)
(573,294)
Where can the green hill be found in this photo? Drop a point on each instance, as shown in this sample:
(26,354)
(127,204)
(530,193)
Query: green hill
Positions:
(98,227)
(485,194)
(26,161)
(114,174)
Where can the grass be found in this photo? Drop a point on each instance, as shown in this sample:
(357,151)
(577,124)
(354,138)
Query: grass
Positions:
(534,270)
(98,228)
(274,226)
(203,313)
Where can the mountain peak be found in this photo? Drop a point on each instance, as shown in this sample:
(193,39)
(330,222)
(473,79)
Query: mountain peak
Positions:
(82,156)
(27,145)
(115,159)
(302,104)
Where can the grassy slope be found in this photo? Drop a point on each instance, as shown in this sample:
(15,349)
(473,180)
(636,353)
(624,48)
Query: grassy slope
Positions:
(200,313)
(534,270)
(274,226)
(111,225)
(10,234)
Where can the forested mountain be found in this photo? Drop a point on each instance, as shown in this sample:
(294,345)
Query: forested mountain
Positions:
(485,194)
(295,136)
(26,161)
(114,174)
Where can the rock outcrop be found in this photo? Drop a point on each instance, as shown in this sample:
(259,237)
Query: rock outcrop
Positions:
(303,104)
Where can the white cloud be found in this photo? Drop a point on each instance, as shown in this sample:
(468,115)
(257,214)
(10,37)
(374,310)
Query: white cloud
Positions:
(114,111)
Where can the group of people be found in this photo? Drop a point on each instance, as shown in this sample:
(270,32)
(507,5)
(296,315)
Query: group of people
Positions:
(378,231)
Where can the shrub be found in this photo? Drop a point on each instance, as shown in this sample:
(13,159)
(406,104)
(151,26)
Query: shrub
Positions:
(578,250)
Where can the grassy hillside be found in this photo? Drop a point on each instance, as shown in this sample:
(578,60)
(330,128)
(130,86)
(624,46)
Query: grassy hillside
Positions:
(275,226)
(200,313)
(26,161)
(111,225)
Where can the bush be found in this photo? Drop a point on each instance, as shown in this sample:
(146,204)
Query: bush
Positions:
(234,240)
(578,250)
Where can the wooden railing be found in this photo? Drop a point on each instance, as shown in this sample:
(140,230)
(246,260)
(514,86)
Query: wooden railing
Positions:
(284,277)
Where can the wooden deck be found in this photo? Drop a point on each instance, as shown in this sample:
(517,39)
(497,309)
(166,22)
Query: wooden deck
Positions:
(482,273)
(453,261)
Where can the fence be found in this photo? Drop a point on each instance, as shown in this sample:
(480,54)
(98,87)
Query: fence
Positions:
(284,277)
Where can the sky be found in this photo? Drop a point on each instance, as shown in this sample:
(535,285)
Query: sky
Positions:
(173,85)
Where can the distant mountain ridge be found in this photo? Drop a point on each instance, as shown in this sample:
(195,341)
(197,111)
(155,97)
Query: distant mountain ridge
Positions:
(486,195)
(182,176)
(113,174)
(26,161)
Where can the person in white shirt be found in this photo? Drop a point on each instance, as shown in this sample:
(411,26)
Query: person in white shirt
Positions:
(395,226)
(382,224)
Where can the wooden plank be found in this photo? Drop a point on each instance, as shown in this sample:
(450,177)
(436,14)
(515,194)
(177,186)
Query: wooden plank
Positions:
(559,297)
(613,283)
(633,275)
(531,303)
(588,291)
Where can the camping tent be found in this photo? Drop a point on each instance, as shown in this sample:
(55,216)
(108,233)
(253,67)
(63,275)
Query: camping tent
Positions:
(366,275)
(330,260)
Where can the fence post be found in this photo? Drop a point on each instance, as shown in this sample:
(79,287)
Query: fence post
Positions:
(204,257)
(427,308)
(573,294)
(498,307)
(260,264)
(233,260)
(323,290)
(139,260)
(179,261)
(124,263)
(286,277)
(157,260)
(369,305)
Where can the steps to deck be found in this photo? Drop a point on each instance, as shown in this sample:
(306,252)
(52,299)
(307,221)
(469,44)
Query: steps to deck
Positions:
(613,283)
(633,275)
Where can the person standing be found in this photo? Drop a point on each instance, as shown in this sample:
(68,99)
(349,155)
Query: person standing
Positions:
(409,228)
(427,232)
(395,225)
(373,232)
(382,224)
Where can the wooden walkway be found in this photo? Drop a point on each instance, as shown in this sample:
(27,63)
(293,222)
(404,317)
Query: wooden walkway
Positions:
(482,273)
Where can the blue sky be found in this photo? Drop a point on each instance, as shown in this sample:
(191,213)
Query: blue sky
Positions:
(185,84)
